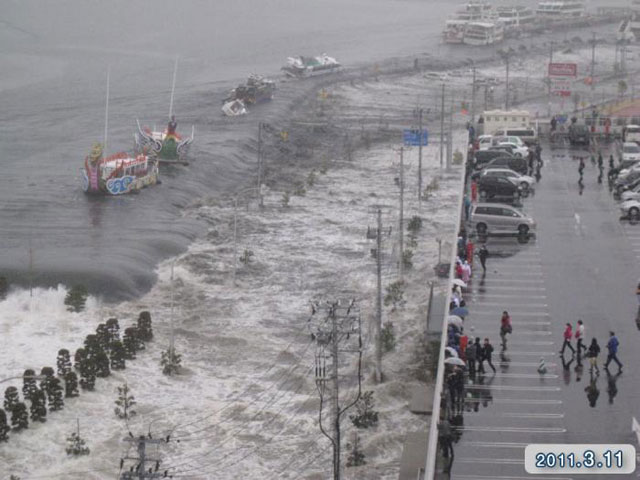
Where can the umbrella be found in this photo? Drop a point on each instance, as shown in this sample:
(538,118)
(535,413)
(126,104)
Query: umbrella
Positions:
(454,320)
(454,361)
(457,281)
(452,351)
(460,311)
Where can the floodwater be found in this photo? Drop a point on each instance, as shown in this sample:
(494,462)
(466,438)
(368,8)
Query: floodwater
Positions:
(53,69)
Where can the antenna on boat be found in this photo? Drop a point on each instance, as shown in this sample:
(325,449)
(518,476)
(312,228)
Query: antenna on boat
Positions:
(106,116)
(173,87)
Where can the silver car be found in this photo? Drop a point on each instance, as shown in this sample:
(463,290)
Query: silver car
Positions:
(488,218)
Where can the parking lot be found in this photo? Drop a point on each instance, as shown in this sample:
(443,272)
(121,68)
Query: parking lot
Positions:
(582,263)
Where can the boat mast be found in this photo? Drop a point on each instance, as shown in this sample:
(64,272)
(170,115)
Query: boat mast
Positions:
(106,116)
(173,87)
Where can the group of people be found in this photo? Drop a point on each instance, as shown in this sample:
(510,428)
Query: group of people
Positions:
(592,352)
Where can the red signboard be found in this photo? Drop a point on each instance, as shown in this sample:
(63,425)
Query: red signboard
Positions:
(563,69)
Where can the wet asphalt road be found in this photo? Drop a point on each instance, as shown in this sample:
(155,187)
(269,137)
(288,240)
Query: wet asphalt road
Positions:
(583,264)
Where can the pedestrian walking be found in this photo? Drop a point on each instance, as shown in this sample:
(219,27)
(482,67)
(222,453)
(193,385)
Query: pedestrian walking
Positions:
(445,437)
(531,158)
(600,160)
(553,123)
(638,293)
(467,206)
(479,355)
(471,358)
(568,333)
(580,339)
(610,162)
(581,167)
(592,354)
(483,253)
(487,351)
(505,328)
(612,347)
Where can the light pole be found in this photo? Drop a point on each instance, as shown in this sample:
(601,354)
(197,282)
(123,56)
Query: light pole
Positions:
(235,227)
(506,56)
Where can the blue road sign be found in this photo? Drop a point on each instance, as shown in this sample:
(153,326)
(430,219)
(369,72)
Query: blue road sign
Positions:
(412,137)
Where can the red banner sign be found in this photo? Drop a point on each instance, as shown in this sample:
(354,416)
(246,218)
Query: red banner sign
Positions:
(563,69)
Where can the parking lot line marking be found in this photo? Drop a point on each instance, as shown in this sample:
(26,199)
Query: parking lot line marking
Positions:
(504,304)
(512,313)
(475,443)
(514,388)
(501,477)
(499,461)
(491,295)
(511,429)
(531,415)
(527,401)
(520,332)
(519,375)
(535,342)
(525,364)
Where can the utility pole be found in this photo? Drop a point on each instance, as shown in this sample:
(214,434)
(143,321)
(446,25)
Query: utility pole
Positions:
(172,339)
(420,112)
(593,64)
(401,219)
(340,325)
(30,269)
(260,163)
(506,100)
(473,96)
(450,137)
(442,128)
(379,300)
(139,470)
(549,81)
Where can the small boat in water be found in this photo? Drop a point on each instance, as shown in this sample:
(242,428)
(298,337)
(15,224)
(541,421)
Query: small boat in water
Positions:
(257,89)
(167,145)
(117,174)
(301,67)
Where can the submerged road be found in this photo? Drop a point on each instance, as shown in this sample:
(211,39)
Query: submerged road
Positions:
(582,264)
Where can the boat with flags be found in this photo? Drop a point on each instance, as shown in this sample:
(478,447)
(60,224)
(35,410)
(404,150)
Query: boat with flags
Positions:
(167,145)
(118,173)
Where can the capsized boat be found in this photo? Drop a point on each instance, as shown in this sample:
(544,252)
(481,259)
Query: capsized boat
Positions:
(234,108)
(117,174)
(167,145)
(306,66)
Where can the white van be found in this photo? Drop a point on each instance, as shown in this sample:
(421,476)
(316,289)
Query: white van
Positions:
(631,133)
(527,134)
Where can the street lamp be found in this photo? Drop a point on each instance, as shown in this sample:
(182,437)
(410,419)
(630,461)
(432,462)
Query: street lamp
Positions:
(506,56)
(235,224)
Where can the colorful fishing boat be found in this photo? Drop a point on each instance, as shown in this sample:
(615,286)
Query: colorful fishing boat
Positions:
(167,145)
(117,174)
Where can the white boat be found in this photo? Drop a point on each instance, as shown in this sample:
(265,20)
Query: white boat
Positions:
(301,66)
(473,11)
(629,29)
(561,9)
(234,108)
(484,33)
(514,18)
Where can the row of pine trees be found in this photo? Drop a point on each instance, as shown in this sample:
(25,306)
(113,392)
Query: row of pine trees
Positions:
(102,352)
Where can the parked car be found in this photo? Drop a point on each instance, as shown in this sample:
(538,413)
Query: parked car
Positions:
(631,194)
(523,181)
(482,157)
(626,171)
(626,187)
(527,134)
(623,184)
(630,152)
(631,209)
(516,150)
(579,135)
(498,189)
(517,164)
(484,142)
(488,218)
